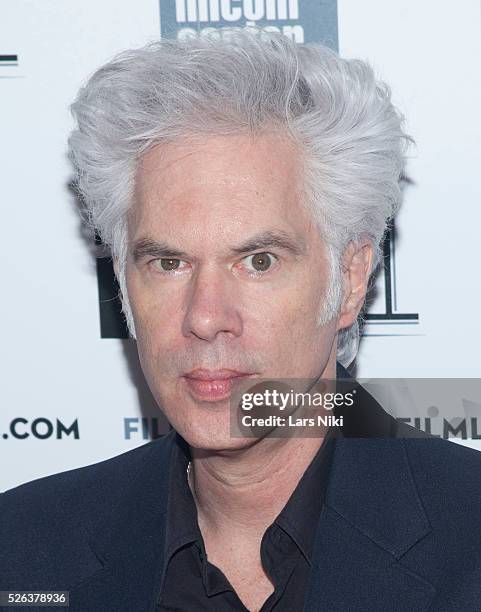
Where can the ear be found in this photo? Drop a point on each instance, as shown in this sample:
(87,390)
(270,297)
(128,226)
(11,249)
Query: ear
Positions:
(356,270)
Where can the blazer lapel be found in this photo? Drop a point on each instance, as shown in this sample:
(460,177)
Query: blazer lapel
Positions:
(372,516)
(130,545)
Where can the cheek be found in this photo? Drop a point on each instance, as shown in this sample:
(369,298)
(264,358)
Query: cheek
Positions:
(152,305)
(293,325)
(285,324)
(156,324)
(297,310)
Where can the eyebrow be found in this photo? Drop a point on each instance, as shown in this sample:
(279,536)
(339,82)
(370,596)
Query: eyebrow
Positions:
(148,247)
(272,239)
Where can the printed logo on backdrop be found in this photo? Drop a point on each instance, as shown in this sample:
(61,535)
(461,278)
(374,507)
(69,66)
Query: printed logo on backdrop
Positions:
(303,21)
(9,67)
(387,312)
(300,20)
(40,428)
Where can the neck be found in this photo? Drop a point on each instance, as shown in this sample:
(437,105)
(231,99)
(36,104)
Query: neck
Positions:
(242,493)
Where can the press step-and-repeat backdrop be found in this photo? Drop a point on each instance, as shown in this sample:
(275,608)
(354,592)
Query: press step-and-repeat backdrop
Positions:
(72,390)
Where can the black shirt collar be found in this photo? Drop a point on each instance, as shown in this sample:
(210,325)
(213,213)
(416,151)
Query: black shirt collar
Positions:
(300,515)
(182,527)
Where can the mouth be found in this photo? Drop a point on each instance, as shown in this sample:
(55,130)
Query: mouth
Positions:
(213,385)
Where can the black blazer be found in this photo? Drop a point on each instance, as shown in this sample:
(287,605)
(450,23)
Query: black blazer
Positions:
(400,529)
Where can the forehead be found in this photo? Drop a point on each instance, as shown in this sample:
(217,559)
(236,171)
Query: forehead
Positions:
(238,181)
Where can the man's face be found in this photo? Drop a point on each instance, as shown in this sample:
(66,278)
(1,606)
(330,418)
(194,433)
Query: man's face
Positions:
(225,271)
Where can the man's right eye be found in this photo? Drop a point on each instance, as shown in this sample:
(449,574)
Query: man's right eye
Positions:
(169,264)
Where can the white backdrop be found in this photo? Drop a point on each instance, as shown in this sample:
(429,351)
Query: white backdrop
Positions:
(73,389)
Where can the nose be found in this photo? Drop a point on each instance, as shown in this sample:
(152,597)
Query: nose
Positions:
(212,307)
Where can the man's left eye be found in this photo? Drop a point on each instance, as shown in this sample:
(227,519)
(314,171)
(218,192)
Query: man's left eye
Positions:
(260,262)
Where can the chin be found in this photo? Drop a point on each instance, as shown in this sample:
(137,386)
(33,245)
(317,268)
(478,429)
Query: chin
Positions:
(200,436)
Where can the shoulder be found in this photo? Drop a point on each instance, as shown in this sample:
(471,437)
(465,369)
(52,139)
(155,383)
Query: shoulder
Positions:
(445,467)
(440,462)
(110,473)
(442,467)
(75,501)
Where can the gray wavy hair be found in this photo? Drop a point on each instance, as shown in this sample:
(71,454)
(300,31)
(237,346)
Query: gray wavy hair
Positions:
(247,80)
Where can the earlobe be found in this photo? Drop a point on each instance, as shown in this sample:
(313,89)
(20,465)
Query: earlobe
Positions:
(357,265)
